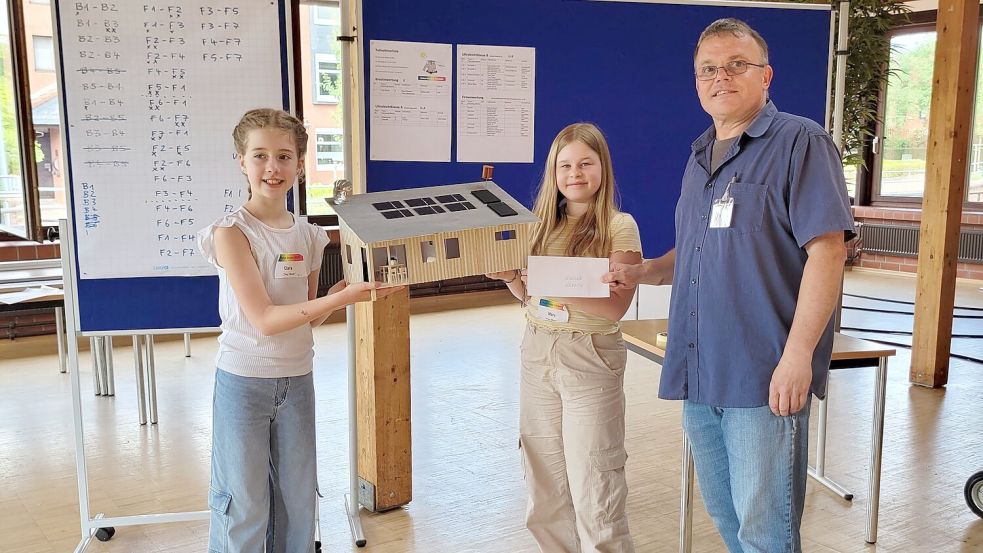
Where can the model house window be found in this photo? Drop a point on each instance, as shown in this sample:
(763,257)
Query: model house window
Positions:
(327,79)
(429,251)
(452,248)
(44,53)
(348,253)
(330,149)
(505,235)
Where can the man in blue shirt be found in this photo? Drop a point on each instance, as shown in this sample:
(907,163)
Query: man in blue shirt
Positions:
(760,227)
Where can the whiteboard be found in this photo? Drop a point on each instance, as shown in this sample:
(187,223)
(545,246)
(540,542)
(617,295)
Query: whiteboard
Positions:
(151,92)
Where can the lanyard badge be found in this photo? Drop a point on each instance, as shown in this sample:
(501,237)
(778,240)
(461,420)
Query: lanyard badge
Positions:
(723,208)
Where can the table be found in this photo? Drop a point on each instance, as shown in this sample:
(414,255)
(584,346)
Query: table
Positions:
(848,353)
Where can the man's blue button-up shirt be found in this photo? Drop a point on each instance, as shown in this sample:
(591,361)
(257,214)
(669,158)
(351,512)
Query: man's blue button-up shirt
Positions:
(735,289)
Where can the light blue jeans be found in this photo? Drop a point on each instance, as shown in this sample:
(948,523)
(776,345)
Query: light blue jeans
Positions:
(751,466)
(264,470)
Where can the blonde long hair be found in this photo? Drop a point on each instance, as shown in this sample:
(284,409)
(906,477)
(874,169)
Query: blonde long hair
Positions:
(591,237)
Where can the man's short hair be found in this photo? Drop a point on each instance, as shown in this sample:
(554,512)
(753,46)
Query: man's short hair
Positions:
(734,27)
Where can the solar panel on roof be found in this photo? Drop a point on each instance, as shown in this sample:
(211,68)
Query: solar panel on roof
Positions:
(446,199)
(456,207)
(502,209)
(406,212)
(382,206)
(459,197)
(484,196)
(426,210)
(415,202)
(468,205)
(437,208)
(397,203)
(392,215)
(430,201)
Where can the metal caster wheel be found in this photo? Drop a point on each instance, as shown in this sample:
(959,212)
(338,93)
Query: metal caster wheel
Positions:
(105,534)
(974,493)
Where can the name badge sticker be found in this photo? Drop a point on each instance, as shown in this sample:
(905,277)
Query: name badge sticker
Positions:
(549,310)
(290,265)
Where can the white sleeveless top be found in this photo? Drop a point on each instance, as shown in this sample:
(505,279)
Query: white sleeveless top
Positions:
(285,258)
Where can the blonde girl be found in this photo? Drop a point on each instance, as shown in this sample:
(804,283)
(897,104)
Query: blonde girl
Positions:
(572,403)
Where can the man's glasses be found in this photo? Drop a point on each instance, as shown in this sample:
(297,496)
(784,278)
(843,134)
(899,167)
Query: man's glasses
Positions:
(736,67)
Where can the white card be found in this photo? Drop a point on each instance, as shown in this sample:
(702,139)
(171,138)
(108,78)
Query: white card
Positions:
(567,277)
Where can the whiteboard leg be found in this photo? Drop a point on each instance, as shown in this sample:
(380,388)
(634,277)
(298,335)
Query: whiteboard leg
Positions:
(151,379)
(108,360)
(138,367)
(60,337)
(95,367)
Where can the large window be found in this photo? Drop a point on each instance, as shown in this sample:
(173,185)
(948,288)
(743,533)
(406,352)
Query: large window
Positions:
(34,198)
(15,212)
(902,152)
(320,67)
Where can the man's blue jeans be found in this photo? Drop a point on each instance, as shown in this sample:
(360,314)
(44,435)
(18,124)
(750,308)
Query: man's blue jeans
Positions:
(264,471)
(751,466)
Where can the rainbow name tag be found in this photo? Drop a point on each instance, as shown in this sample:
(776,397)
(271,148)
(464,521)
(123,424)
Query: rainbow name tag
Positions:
(550,310)
(290,265)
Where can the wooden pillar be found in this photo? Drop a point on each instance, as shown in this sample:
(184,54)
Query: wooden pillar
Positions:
(949,132)
(383,389)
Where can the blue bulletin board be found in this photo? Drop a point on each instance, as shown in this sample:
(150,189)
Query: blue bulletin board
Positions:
(626,66)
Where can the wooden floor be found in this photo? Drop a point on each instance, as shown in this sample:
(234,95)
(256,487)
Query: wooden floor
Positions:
(467,480)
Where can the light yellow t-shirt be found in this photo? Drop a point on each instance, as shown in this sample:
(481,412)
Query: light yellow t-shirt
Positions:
(624,238)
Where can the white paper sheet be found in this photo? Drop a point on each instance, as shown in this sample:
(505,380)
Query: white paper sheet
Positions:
(410,91)
(496,103)
(29,294)
(567,277)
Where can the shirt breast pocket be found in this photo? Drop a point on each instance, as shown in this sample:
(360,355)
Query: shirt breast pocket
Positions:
(749,206)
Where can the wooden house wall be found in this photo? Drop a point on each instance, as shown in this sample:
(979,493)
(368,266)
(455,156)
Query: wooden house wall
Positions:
(480,253)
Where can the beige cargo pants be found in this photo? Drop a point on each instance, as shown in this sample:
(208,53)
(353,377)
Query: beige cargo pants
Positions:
(572,435)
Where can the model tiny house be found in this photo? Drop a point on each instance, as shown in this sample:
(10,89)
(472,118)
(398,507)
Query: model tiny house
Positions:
(403,237)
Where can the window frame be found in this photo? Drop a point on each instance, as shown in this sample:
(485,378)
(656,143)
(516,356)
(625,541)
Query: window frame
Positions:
(299,88)
(20,77)
(919,23)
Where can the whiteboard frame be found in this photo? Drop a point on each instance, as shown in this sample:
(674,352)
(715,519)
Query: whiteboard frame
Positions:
(90,524)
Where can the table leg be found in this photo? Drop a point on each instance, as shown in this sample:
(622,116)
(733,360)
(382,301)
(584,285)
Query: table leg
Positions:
(876,445)
(819,472)
(686,499)
(187,344)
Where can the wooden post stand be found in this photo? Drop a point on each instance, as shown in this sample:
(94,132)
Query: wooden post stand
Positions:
(383,367)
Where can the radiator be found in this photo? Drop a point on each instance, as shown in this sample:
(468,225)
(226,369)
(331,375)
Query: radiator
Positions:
(331,270)
(902,240)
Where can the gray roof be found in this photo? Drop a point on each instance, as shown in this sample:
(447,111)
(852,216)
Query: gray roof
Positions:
(371,225)
(46,114)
